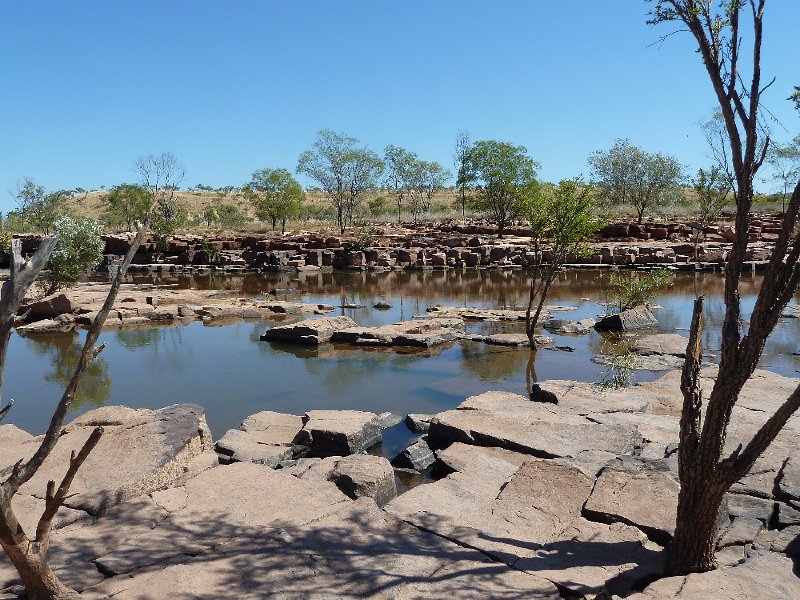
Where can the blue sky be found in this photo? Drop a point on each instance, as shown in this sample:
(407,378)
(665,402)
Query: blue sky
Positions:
(230,87)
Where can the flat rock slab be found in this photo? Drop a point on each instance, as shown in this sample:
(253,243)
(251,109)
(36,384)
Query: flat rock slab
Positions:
(339,432)
(417,456)
(296,308)
(265,438)
(565,327)
(358,551)
(767,576)
(423,333)
(671,344)
(513,422)
(504,504)
(140,451)
(357,476)
(311,332)
(633,319)
(638,492)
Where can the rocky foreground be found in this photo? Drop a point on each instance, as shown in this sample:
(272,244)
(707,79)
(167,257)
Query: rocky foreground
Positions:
(572,499)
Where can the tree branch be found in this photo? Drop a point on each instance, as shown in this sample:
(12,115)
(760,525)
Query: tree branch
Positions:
(55,498)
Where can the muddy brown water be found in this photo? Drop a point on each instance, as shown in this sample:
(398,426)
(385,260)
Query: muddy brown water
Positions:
(232,374)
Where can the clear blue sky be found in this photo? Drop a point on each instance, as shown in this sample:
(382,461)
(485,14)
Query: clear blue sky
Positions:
(233,86)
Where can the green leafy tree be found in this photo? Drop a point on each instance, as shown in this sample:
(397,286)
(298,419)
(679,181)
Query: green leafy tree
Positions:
(460,162)
(344,171)
(37,208)
(125,204)
(635,289)
(275,196)
(785,163)
(504,175)
(705,468)
(562,220)
(711,189)
(425,180)
(629,176)
(399,164)
(79,249)
(230,215)
(209,215)
(378,206)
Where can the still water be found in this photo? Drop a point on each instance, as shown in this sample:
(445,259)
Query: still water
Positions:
(232,374)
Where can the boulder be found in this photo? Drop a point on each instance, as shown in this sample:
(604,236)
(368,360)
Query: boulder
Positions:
(565,327)
(265,438)
(423,333)
(310,332)
(388,420)
(48,308)
(418,422)
(418,457)
(632,319)
(339,432)
(362,475)
(670,344)
(140,451)
(381,305)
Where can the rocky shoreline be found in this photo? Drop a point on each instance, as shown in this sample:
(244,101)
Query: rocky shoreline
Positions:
(443,246)
(572,499)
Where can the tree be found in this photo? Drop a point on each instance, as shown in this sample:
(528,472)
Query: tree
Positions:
(460,163)
(231,216)
(399,164)
(125,204)
(565,217)
(79,249)
(28,553)
(425,179)
(161,175)
(785,162)
(38,208)
(711,190)
(627,175)
(275,196)
(706,471)
(209,215)
(344,171)
(504,175)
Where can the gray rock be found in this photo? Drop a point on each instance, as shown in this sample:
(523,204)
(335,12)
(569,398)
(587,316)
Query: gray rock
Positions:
(339,432)
(789,482)
(672,344)
(787,515)
(310,332)
(424,333)
(49,307)
(743,530)
(265,438)
(513,422)
(563,326)
(381,305)
(741,505)
(365,476)
(633,319)
(418,422)
(786,540)
(418,456)
(388,420)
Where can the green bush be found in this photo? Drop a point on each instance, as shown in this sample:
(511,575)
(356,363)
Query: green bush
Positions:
(79,249)
(639,288)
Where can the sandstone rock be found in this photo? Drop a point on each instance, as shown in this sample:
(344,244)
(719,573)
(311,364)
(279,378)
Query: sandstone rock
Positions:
(743,530)
(638,492)
(513,422)
(563,326)
(741,505)
(48,308)
(365,476)
(660,343)
(418,456)
(633,319)
(786,540)
(388,420)
(140,451)
(766,575)
(414,421)
(296,308)
(418,333)
(381,305)
(310,332)
(265,438)
(339,432)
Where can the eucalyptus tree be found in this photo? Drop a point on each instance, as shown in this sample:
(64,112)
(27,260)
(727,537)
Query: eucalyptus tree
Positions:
(275,195)
(426,179)
(397,176)
(712,190)
(125,204)
(785,163)
(161,175)
(344,171)
(503,175)
(707,469)
(38,208)
(627,175)
(460,163)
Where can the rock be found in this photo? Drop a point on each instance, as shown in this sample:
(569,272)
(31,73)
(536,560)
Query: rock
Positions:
(743,530)
(388,420)
(381,305)
(418,456)
(339,432)
(671,344)
(423,333)
(310,332)
(643,493)
(741,505)
(513,422)
(766,575)
(786,540)
(140,451)
(365,476)
(503,504)
(509,339)
(562,326)
(791,312)
(265,438)
(49,307)
(787,515)
(789,482)
(628,320)
(416,422)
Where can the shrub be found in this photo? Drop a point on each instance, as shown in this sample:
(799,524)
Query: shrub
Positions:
(79,249)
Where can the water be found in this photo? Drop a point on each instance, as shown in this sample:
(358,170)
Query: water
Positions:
(228,371)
